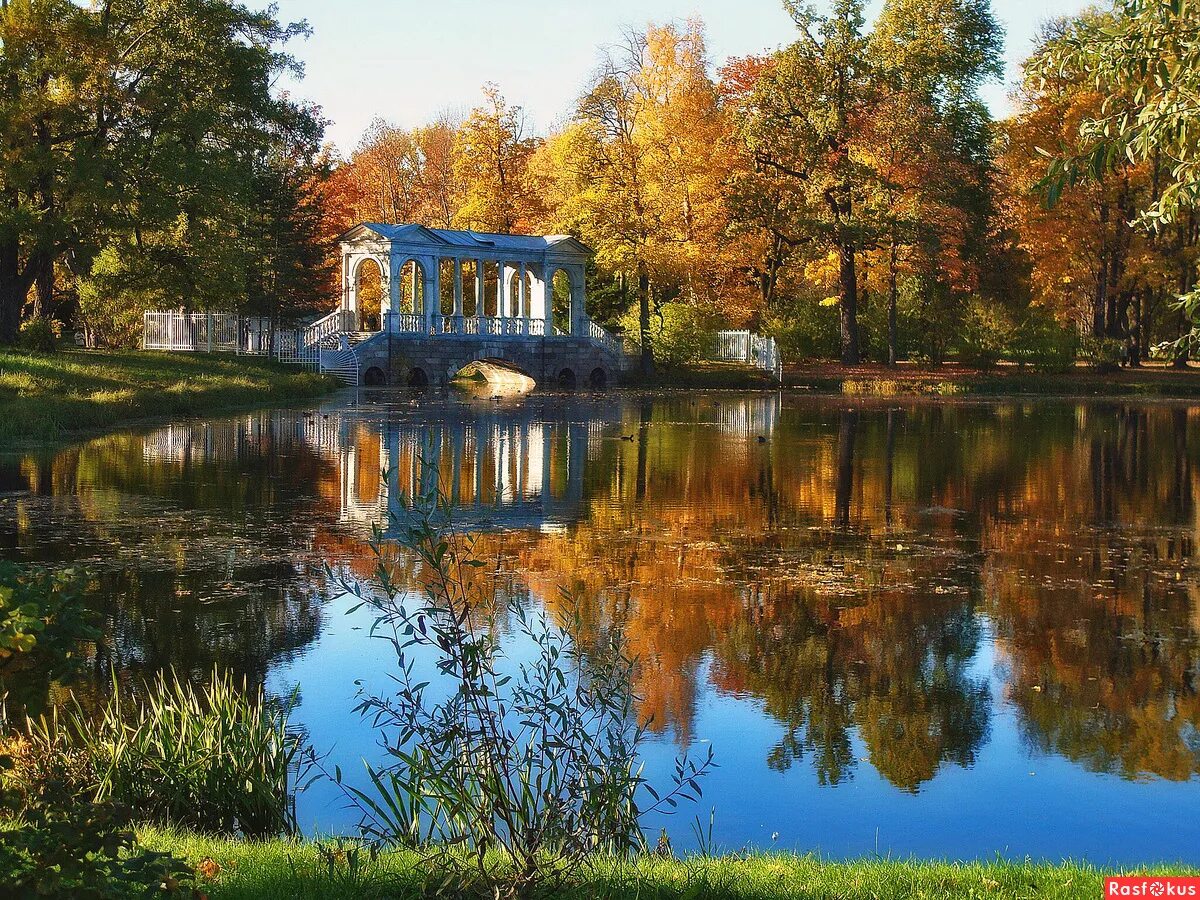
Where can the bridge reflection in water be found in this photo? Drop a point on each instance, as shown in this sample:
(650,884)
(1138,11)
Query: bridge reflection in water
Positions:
(519,466)
(493,472)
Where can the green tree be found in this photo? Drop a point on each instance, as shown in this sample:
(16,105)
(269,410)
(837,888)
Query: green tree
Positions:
(798,128)
(1146,66)
(150,122)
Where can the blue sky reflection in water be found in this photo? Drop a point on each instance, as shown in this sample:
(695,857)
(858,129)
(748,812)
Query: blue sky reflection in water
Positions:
(943,628)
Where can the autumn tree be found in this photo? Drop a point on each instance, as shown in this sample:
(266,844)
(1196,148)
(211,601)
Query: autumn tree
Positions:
(640,175)
(860,141)
(491,154)
(1090,258)
(798,129)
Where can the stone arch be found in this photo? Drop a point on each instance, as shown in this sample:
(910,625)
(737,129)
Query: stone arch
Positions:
(412,276)
(517,309)
(598,379)
(417,378)
(567,379)
(369,288)
(562,287)
(374,377)
(493,355)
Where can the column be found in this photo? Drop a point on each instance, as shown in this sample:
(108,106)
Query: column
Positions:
(502,291)
(479,312)
(431,298)
(458,296)
(522,300)
(395,300)
(578,310)
(349,299)
(546,313)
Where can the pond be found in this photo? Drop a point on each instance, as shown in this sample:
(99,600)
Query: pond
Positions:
(945,628)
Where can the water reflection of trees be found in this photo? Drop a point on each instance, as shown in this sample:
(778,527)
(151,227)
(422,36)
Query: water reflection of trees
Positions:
(195,535)
(839,571)
(837,561)
(1100,624)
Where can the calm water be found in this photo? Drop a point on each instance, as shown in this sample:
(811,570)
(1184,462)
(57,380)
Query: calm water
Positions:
(943,628)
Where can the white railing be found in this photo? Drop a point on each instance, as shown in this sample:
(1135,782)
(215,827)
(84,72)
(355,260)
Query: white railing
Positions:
(337,321)
(748,347)
(492,325)
(289,347)
(409,323)
(602,337)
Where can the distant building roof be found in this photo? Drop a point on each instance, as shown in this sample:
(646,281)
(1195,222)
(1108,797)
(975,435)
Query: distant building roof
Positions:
(420,234)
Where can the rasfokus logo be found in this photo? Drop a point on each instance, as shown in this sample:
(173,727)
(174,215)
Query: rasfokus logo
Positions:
(1151,886)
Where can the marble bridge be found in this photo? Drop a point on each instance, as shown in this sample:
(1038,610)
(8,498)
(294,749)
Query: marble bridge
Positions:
(450,299)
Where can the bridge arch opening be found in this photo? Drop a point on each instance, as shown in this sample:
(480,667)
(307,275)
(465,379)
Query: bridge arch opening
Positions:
(374,377)
(567,379)
(598,380)
(417,378)
(368,292)
(562,293)
(412,287)
(496,373)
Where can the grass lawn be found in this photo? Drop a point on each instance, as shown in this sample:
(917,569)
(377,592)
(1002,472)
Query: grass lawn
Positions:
(283,870)
(49,395)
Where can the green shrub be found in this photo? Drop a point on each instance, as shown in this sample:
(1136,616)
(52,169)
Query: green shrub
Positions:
(1043,343)
(804,329)
(511,775)
(219,759)
(43,620)
(987,332)
(680,333)
(1104,354)
(40,334)
(57,842)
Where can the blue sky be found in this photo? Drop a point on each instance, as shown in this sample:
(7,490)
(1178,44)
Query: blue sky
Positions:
(407,61)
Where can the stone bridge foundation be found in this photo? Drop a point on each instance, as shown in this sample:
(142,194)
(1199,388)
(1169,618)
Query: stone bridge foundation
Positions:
(417,360)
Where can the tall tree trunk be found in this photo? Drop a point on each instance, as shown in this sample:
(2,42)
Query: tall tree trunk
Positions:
(892,336)
(1100,298)
(643,289)
(43,298)
(12,291)
(849,304)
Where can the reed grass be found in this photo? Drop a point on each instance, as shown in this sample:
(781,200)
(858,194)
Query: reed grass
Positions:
(217,758)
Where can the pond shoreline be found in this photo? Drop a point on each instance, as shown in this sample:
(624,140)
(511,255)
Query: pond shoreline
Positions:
(75,392)
(912,380)
(285,868)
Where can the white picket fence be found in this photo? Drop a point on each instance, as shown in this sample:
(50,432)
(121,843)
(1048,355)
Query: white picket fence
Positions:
(750,348)
(206,332)
(228,333)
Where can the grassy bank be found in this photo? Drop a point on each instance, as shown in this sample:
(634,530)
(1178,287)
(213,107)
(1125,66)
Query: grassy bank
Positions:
(286,870)
(47,396)
(952,379)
